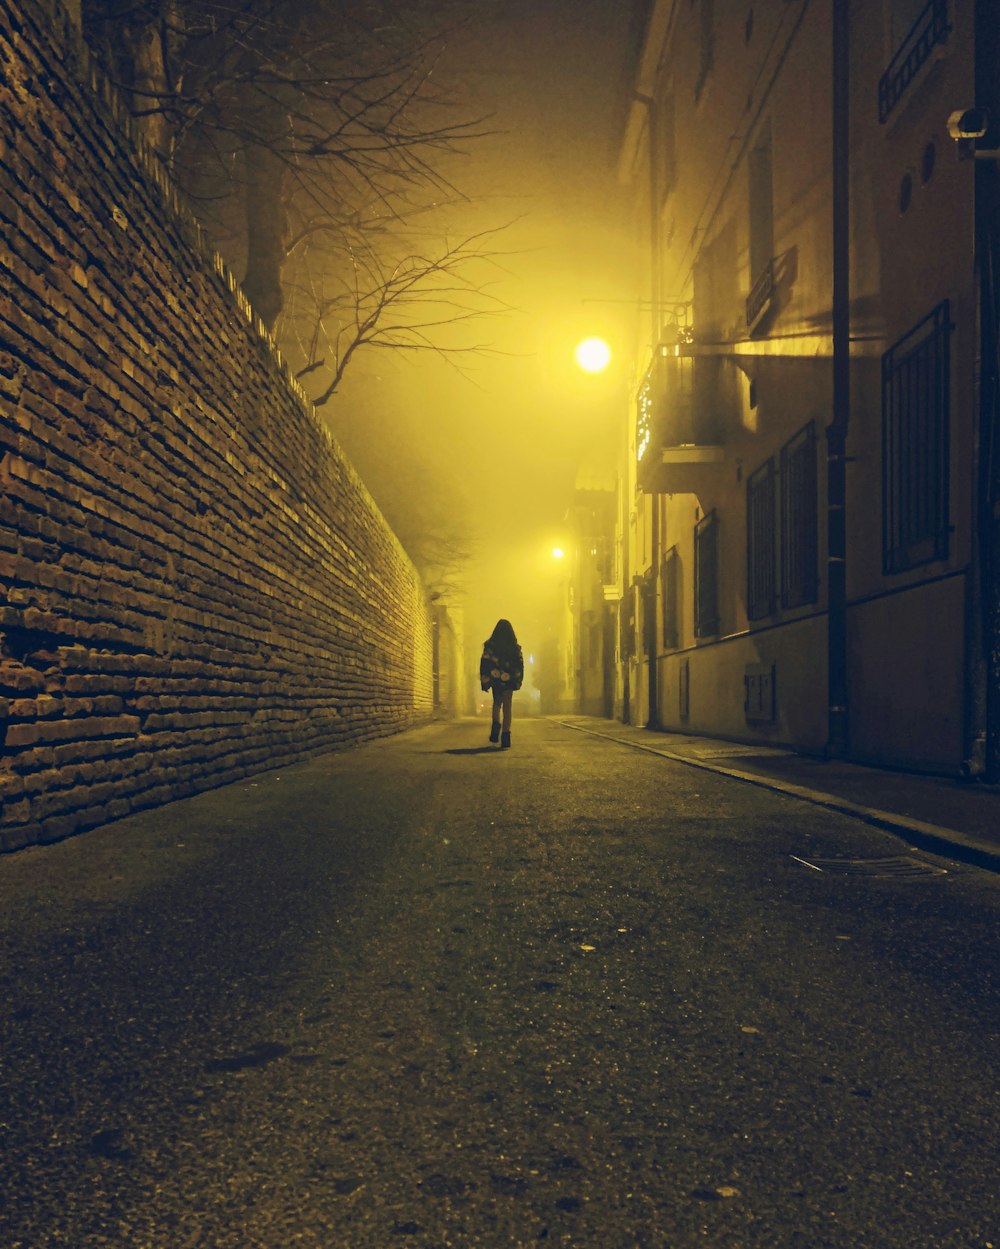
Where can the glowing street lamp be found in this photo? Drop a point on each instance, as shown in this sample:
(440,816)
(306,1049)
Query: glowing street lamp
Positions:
(593,355)
(557,552)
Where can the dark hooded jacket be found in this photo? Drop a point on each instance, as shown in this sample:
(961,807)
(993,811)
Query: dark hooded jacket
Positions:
(501,669)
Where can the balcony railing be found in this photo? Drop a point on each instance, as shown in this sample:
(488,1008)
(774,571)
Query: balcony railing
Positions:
(645,415)
(761,296)
(678,404)
(930,29)
(682,411)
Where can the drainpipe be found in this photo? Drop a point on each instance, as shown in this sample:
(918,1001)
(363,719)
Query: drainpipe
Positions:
(838,736)
(649,600)
(625,515)
(982,749)
(653,722)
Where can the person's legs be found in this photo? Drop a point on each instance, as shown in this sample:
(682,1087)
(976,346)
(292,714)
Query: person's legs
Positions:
(507,701)
(495,726)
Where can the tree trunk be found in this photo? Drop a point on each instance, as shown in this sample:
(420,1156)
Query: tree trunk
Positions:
(134,54)
(265,222)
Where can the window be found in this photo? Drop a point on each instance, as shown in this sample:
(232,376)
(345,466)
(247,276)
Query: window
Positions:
(799,546)
(761,593)
(706,576)
(915,432)
(604,550)
(671,600)
(916,29)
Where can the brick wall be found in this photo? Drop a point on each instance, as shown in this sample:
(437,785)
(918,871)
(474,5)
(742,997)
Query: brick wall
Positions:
(196,585)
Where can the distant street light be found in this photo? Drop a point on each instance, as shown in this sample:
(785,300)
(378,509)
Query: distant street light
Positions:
(593,355)
(557,552)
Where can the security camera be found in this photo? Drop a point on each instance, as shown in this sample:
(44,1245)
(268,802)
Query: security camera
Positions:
(968,123)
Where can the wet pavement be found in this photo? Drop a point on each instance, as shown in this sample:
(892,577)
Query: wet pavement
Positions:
(429,993)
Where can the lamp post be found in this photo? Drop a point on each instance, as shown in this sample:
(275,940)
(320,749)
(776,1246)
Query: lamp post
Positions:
(594,355)
(558,648)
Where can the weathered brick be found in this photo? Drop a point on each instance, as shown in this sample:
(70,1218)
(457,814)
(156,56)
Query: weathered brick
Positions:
(198,583)
(88,727)
(11,786)
(18,836)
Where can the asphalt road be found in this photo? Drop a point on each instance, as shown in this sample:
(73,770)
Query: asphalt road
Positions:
(430,994)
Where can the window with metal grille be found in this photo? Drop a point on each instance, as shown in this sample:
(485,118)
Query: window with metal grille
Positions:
(761,588)
(706,576)
(915,433)
(930,28)
(671,600)
(799,548)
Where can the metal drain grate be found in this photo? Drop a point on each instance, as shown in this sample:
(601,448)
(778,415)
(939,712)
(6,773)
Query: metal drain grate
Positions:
(896,866)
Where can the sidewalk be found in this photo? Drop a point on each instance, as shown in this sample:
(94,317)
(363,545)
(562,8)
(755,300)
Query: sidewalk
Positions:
(948,817)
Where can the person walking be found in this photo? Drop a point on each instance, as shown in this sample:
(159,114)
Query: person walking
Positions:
(501,670)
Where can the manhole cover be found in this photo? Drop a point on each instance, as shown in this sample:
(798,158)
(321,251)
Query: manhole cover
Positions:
(901,865)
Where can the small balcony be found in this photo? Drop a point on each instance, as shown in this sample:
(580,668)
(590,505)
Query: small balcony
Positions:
(927,34)
(761,297)
(679,426)
(687,469)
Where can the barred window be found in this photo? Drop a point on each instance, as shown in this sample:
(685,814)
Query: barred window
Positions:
(915,433)
(706,576)
(671,600)
(761,593)
(799,544)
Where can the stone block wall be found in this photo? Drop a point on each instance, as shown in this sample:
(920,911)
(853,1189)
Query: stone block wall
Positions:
(194,583)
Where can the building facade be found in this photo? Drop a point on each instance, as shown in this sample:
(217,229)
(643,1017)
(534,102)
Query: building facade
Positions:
(807,524)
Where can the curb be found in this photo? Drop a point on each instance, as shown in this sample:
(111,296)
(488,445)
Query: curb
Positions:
(935,838)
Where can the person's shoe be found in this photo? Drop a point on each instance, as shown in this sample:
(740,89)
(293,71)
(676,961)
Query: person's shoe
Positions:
(495,731)
(505,741)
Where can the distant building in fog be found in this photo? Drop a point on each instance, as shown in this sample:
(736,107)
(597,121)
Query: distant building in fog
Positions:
(728,620)
(595,579)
